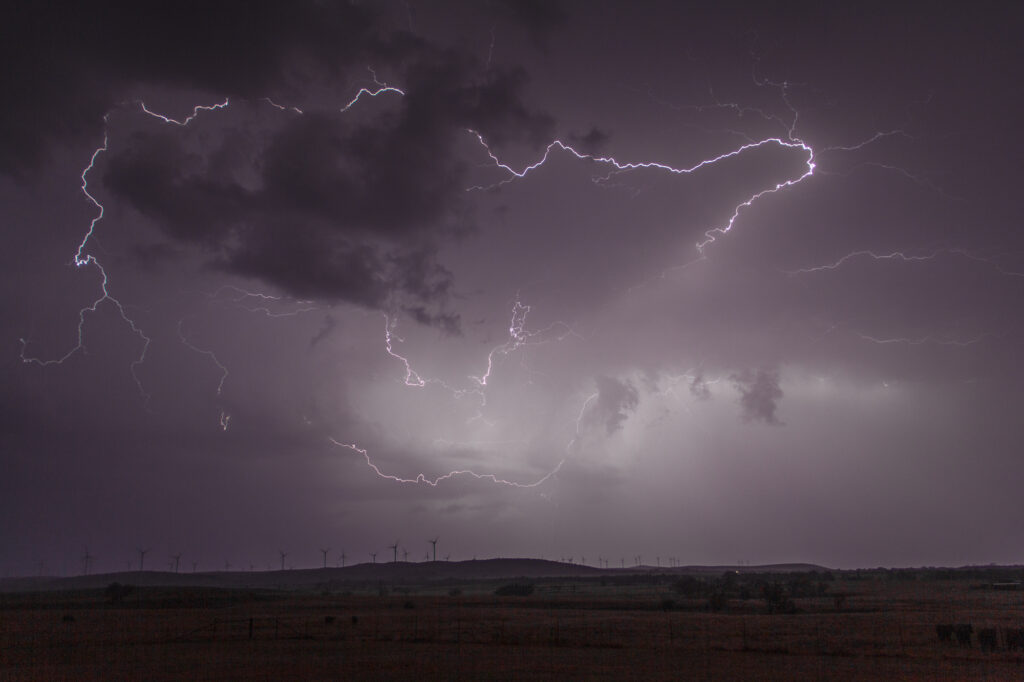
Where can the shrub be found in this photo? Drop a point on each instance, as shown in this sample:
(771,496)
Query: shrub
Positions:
(717,601)
(515,590)
(116,592)
(688,586)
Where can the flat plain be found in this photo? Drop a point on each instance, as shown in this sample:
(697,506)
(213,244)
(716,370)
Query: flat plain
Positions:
(865,625)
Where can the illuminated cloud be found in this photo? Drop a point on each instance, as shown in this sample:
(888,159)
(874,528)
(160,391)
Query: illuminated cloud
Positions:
(616,399)
(759,394)
(389,246)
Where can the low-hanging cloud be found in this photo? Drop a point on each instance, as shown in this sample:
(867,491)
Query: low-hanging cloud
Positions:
(759,394)
(616,399)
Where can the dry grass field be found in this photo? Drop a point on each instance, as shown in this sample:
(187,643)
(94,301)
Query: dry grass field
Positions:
(882,629)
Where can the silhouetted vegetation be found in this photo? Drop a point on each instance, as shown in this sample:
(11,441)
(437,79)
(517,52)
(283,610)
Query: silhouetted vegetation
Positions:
(515,590)
(116,592)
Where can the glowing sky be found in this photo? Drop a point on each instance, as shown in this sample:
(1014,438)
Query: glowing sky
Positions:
(595,279)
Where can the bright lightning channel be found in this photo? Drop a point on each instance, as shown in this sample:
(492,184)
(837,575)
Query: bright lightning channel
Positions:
(421,478)
(83,259)
(903,257)
(710,235)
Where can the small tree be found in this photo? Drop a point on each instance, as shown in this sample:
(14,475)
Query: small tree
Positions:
(515,590)
(116,592)
(777,599)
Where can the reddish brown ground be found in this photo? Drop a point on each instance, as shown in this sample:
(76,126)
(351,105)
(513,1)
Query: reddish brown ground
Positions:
(885,631)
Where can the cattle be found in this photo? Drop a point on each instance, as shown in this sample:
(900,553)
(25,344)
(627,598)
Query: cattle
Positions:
(944,632)
(987,639)
(963,633)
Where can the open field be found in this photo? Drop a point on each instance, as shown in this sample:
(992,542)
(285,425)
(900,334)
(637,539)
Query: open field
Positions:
(867,626)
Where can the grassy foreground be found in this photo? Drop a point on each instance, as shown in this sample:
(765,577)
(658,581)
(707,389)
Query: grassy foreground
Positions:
(863,627)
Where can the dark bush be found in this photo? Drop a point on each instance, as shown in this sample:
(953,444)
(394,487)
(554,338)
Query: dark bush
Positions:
(515,590)
(116,592)
(688,586)
(717,601)
(777,599)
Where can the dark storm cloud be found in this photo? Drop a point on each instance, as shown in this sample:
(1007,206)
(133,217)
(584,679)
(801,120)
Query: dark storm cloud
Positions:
(615,400)
(759,394)
(538,17)
(70,63)
(344,212)
(592,142)
(345,209)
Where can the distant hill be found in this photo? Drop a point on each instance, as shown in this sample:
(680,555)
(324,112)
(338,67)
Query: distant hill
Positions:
(391,572)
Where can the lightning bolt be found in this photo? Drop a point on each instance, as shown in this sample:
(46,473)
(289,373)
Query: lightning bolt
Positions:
(791,141)
(519,337)
(903,257)
(579,421)
(381,88)
(208,353)
(239,296)
(929,339)
(83,259)
(282,107)
(196,110)
(433,483)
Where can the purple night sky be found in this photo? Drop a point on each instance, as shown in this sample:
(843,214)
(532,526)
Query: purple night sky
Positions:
(761,301)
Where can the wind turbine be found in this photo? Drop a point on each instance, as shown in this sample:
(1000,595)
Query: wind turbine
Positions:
(434,543)
(177,560)
(86,558)
(283,555)
(142,557)
(373,557)
(405,555)
(343,557)
(324,552)
(394,548)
